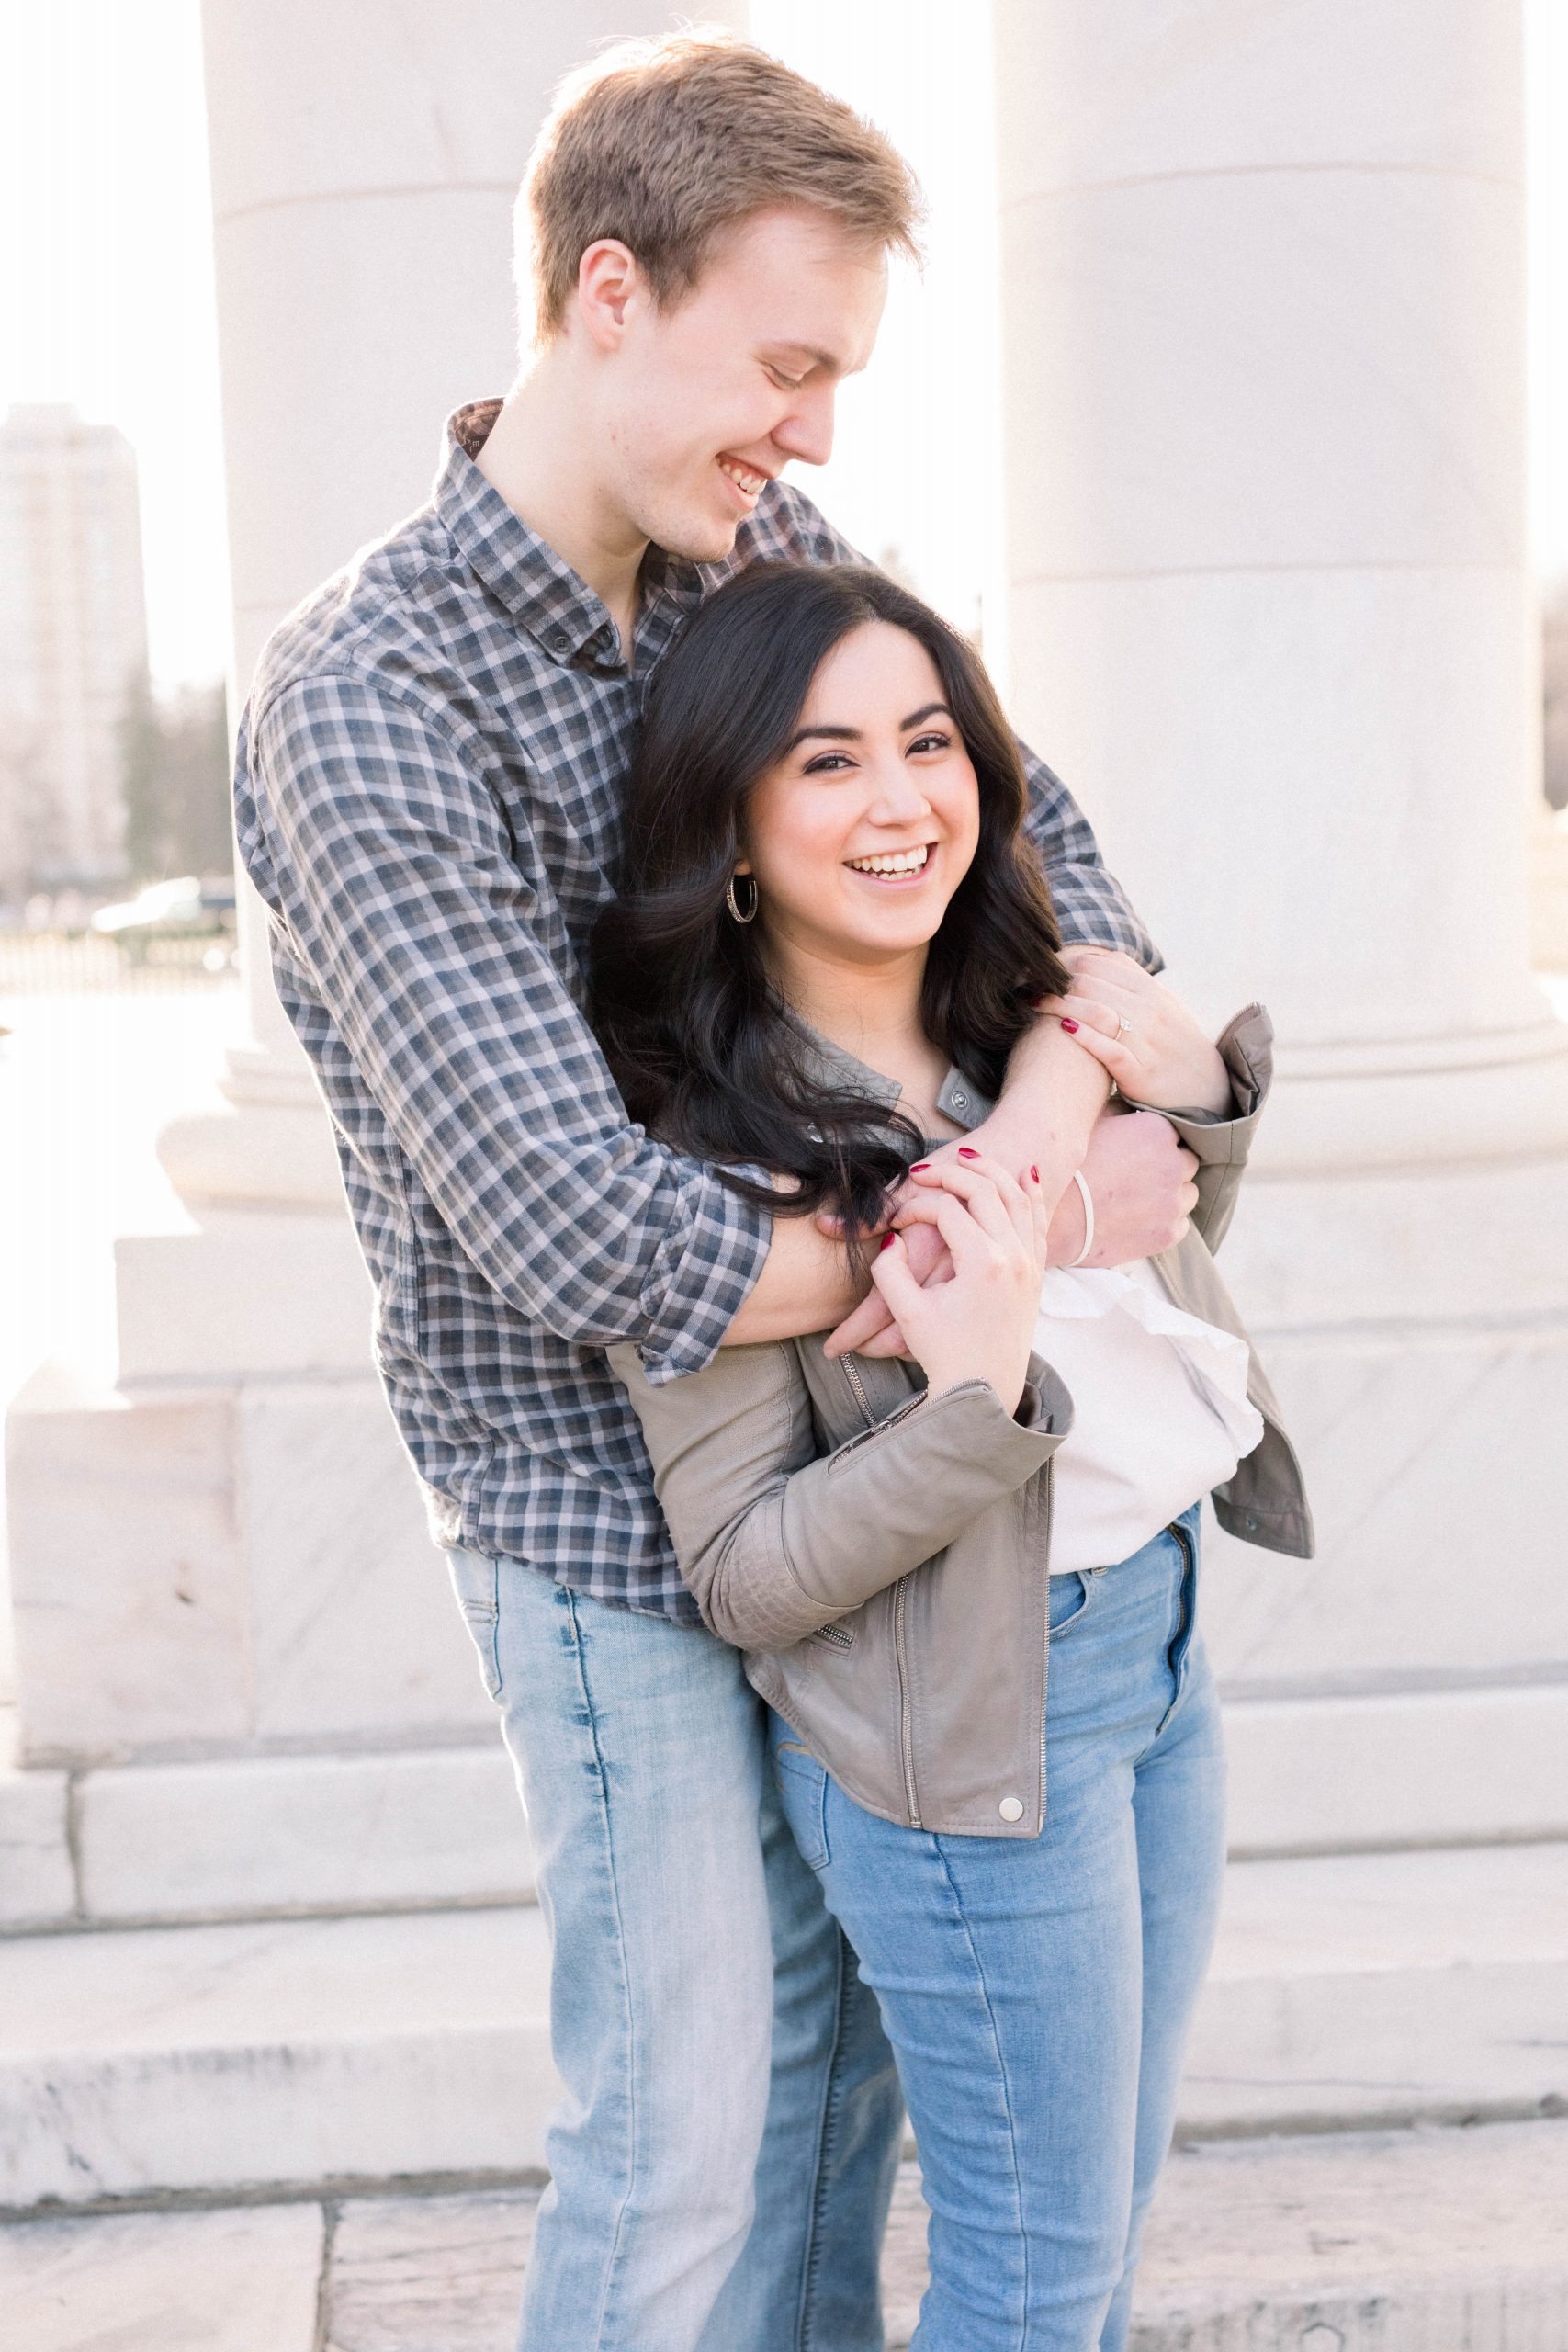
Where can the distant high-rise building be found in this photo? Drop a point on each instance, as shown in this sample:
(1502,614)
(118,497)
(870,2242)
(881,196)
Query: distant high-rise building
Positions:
(73,647)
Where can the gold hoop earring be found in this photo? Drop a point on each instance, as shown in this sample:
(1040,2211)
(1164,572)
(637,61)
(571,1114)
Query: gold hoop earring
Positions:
(732,901)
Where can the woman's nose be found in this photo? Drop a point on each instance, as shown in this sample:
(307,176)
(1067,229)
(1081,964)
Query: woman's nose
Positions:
(899,795)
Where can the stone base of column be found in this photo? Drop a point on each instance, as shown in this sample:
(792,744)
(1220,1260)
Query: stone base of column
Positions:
(1410,1685)
(246,1690)
(225,1569)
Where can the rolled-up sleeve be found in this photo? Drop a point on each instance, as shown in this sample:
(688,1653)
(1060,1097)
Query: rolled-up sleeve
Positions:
(430,934)
(1093,909)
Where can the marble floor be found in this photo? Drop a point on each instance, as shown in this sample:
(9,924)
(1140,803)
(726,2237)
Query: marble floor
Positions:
(1377,2242)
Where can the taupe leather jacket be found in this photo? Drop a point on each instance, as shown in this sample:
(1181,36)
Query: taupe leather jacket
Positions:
(881,1557)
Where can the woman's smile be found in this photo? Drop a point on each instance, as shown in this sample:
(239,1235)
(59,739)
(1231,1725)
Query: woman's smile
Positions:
(896,868)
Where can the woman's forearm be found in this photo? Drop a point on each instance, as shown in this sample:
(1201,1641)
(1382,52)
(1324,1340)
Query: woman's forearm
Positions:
(1052,1096)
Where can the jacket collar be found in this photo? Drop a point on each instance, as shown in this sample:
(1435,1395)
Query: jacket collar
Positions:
(958,1099)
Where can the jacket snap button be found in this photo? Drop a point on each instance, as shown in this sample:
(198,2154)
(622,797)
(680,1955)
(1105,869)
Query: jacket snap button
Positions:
(1012,1809)
(959,1100)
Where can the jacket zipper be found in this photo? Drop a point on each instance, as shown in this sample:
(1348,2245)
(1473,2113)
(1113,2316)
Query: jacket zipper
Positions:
(900,1655)
(837,1635)
(1185,1543)
(1048,1490)
(906,1719)
(852,1373)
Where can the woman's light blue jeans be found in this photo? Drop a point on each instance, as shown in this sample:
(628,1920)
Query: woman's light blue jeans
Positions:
(723,2156)
(1037,1992)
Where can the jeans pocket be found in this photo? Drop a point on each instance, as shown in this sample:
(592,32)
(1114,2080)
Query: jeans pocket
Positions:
(1066,1598)
(803,1793)
(475,1582)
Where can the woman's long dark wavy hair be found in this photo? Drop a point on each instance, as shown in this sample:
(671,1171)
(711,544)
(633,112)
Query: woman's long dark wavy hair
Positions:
(704,1048)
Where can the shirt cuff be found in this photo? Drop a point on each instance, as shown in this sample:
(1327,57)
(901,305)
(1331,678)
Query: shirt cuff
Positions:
(706,1270)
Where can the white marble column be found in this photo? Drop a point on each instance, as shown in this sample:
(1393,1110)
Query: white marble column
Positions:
(228,1557)
(1266,605)
(363,184)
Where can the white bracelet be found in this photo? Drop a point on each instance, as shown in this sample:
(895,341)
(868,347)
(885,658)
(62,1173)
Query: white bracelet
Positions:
(1088,1198)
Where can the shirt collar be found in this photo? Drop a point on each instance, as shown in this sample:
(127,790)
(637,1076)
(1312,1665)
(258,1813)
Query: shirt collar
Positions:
(528,579)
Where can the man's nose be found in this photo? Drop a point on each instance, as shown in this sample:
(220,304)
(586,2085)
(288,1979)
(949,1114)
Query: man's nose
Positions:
(806,433)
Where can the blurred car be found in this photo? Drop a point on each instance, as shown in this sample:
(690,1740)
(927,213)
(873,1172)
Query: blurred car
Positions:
(185,909)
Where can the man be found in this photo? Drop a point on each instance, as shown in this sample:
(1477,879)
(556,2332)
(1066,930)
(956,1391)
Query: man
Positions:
(427,795)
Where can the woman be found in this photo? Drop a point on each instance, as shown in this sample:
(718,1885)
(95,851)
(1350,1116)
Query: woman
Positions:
(831,935)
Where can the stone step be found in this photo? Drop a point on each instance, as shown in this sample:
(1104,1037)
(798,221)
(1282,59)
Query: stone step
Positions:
(1385,1988)
(327,1829)
(1345,1992)
(251,1836)
(323,1830)
(1423,2241)
(221,2058)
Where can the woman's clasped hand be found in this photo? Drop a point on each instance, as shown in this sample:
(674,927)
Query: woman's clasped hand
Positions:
(978,1325)
(1153,1047)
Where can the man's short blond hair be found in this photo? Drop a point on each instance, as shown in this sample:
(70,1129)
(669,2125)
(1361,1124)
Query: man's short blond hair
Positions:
(664,144)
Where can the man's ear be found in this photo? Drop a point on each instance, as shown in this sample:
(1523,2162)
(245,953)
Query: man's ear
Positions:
(608,280)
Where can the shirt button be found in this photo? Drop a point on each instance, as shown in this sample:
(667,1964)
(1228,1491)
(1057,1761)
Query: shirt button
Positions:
(556,639)
(1012,1809)
(959,1100)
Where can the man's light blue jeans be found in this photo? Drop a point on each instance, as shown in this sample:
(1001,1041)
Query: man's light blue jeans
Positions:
(723,2158)
(1037,1992)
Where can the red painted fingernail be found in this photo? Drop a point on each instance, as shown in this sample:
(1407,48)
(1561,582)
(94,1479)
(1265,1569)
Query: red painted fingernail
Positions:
(1070,1024)
(964,1152)
(887,1242)
(1035,1174)
(918,1165)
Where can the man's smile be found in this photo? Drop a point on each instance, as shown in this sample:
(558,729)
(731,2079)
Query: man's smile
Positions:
(746,480)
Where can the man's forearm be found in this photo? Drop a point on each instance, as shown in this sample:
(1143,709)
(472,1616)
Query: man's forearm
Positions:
(1053,1094)
(804,1285)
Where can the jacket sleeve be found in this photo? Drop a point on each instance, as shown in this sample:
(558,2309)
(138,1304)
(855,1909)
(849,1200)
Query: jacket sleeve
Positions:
(1222,1145)
(774,1541)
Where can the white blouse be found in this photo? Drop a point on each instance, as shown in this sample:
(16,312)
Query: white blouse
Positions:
(1161,1412)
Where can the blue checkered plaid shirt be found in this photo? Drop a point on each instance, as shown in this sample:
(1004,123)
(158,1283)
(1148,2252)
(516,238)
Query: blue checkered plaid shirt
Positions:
(428,794)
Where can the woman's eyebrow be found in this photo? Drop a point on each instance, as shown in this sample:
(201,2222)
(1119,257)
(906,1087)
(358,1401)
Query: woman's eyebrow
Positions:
(852,734)
(828,734)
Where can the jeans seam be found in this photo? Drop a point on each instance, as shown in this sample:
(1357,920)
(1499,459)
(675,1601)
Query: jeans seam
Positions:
(826,2132)
(602,2317)
(1003,2079)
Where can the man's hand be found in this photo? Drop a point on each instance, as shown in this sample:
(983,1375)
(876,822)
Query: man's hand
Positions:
(871,1329)
(1140,1175)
